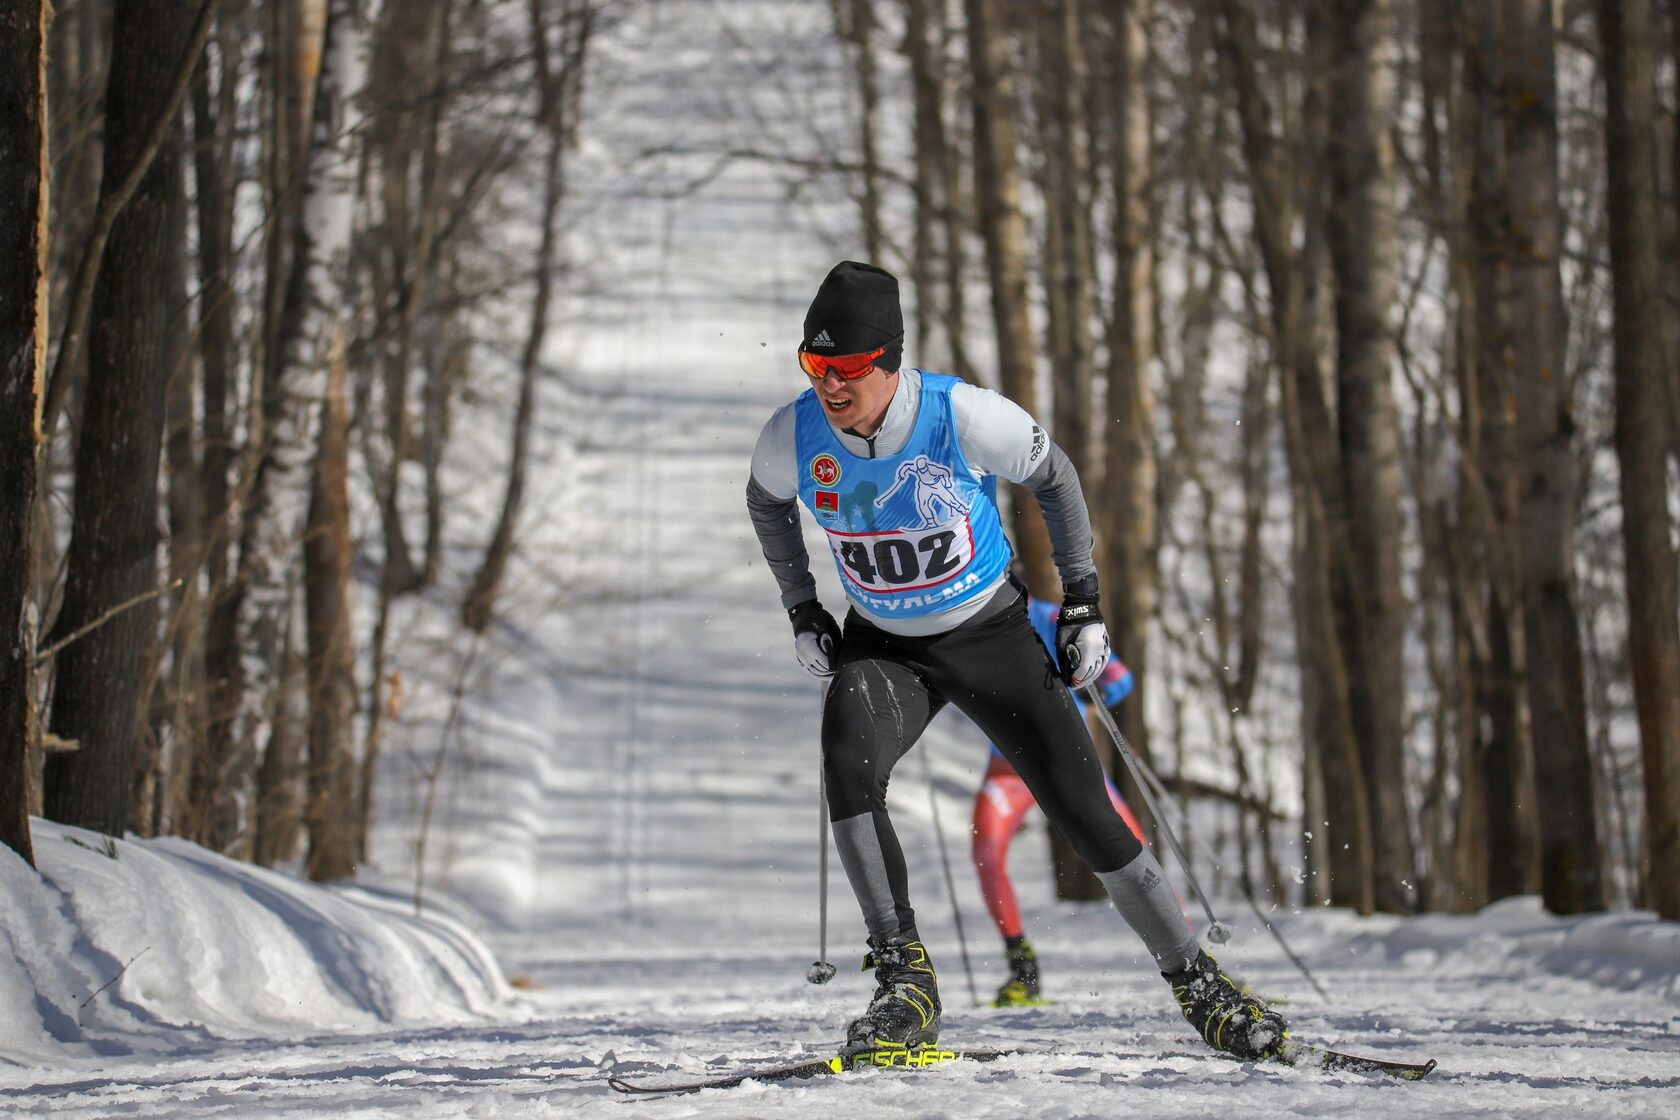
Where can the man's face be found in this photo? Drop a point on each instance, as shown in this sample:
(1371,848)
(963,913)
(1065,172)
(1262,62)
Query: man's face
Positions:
(858,403)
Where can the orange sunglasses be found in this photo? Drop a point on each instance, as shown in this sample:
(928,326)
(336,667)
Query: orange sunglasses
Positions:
(847,367)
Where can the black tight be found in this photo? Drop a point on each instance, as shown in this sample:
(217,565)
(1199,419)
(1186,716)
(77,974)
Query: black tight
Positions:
(997,672)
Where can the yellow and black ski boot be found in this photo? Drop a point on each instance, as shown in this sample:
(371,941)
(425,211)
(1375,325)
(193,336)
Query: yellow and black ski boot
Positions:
(904,1015)
(1022,988)
(1226,1018)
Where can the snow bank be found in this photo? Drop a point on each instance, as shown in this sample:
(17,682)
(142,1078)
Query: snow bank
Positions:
(214,948)
(1629,950)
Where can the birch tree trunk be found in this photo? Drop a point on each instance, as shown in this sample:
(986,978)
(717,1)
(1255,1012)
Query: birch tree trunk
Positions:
(1570,864)
(114,537)
(24,175)
(276,510)
(1625,29)
(1361,246)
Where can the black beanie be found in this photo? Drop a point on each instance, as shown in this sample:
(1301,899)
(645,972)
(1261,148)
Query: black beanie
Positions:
(856,311)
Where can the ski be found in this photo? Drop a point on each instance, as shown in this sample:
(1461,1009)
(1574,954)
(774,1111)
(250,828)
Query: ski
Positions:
(1306,1054)
(1297,1054)
(812,1067)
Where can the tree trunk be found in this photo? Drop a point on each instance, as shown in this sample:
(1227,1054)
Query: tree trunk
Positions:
(24,245)
(560,93)
(214,114)
(276,511)
(927,95)
(1068,276)
(1068,287)
(856,21)
(1361,246)
(1003,229)
(1126,517)
(1570,863)
(277,809)
(113,546)
(1333,772)
(936,266)
(175,684)
(1487,391)
(411,66)
(1642,431)
(329,810)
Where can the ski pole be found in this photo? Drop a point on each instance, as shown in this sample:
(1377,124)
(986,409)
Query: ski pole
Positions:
(1271,927)
(821,972)
(950,882)
(1218,932)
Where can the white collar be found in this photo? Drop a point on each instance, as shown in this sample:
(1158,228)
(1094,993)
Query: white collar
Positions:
(896,425)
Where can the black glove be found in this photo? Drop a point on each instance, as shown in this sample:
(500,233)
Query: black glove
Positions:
(816,638)
(1081,637)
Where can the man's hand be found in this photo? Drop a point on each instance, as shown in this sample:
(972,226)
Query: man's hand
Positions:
(816,638)
(1081,637)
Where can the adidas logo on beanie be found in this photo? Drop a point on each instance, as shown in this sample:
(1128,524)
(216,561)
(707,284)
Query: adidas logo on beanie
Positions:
(856,311)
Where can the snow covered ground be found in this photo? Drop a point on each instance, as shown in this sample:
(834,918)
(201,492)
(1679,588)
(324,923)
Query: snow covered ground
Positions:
(626,825)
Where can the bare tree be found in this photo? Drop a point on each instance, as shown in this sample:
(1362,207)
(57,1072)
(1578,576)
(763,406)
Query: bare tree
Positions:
(560,94)
(1127,510)
(1361,245)
(936,264)
(113,547)
(1571,875)
(995,101)
(1283,182)
(329,808)
(411,71)
(1490,493)
(1625,29)
(23,351)
(1068,271)
(856,22)
(276,509)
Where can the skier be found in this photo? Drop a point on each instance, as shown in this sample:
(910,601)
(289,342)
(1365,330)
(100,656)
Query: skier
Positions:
(934,618)
(1002,803)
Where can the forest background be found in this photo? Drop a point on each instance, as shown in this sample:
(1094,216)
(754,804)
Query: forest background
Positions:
(1358,317)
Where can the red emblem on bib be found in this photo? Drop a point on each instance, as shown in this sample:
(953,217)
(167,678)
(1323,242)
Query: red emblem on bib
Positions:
(826,470)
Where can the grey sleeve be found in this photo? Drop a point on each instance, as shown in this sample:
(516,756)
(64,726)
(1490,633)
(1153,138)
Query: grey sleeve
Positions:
(999,437)
(776,521)
(1056,486)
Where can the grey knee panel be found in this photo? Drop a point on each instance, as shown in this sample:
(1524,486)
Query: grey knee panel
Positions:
(865,862)
(1140,892)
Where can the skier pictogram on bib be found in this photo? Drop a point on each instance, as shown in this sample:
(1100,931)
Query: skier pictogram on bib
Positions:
(934,486)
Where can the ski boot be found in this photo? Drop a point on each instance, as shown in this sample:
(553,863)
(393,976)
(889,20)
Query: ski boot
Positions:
(904,1015)
(1021,989)
(1226,1019)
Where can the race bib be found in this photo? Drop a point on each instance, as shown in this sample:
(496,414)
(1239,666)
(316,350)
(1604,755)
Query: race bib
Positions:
(903,559)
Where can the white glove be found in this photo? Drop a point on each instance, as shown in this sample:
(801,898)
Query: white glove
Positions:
(816,638)
(1081,641)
